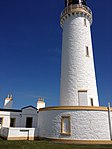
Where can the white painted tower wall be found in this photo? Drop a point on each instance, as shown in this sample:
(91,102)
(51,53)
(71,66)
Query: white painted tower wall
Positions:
(84,124)
(77,69)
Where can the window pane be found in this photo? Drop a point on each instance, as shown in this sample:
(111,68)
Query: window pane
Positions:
(82,98)
(1,119)
(65,125)
(12,122)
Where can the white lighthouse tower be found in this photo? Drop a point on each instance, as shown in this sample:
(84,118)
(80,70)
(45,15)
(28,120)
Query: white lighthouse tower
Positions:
(78,82)
(79,118)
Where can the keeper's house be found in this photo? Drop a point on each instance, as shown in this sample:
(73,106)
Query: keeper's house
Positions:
(19,124)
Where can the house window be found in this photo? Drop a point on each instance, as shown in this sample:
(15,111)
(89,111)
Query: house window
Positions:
(85,23)
(1,121)
(65,125)
(91,101)
(87,51)
(12,122)
(29,121)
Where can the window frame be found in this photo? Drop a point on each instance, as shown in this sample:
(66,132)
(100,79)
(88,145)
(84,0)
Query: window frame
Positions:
(62,125)
(14,122)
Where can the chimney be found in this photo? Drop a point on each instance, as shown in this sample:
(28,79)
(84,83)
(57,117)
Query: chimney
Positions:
(8,102)
(40,103)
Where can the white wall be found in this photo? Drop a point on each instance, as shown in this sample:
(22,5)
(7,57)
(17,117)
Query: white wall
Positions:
(85,125)
(77,70)
(19,133)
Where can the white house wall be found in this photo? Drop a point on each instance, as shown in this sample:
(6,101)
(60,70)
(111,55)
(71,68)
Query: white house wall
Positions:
(29,112)
(17,116)
(6,115)
(20,117)
(6,118)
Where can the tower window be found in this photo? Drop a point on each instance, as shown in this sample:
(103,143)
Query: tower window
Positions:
(91,100)
(82,98)
(12,122)
(87,51)
(85,22)
(65,125)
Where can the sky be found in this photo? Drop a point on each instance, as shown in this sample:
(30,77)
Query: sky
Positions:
(30,50)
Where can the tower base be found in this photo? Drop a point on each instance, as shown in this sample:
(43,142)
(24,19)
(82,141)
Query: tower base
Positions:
(75,123)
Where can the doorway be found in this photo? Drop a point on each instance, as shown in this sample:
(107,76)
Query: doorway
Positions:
(29,121)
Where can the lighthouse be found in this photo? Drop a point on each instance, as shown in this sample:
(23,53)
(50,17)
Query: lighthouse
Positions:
(79,118)
(78,81)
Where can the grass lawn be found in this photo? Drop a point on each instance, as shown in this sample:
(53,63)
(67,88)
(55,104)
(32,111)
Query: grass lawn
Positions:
(46,145)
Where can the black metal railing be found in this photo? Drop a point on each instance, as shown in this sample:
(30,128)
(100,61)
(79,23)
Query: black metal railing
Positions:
(72,7)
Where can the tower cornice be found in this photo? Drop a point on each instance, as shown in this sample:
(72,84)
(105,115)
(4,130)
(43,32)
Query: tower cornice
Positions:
(77,10)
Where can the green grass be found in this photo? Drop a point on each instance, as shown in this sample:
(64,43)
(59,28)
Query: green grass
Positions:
(46,145)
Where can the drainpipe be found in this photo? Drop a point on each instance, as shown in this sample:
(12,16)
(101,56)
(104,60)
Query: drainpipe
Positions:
(109,117)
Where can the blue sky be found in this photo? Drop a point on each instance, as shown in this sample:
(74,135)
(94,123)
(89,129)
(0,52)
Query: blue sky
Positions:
(30,50)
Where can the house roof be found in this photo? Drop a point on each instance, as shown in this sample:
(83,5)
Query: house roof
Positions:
(16,110)
(29,107)
(10,110)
